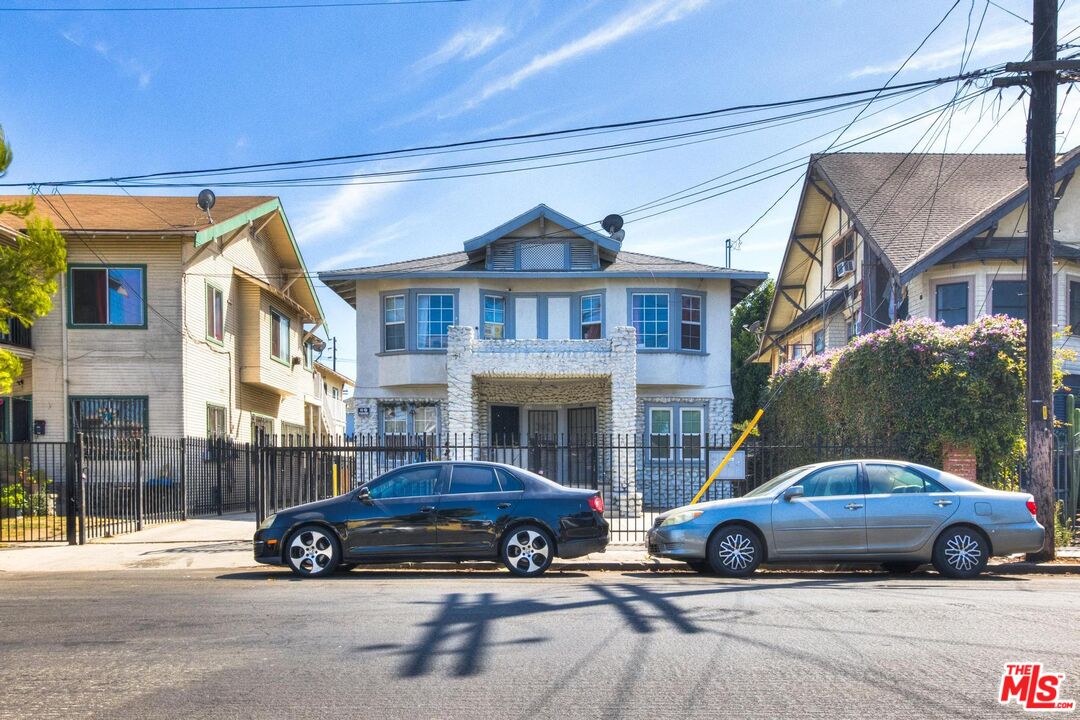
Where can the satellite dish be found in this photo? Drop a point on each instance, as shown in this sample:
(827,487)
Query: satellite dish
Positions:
(612,224)
(618,235)
(206,200)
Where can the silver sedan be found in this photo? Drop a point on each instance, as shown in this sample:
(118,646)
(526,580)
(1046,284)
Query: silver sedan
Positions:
(898,514)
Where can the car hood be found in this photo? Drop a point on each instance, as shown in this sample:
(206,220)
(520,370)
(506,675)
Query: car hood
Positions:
(706,506)
(317,506)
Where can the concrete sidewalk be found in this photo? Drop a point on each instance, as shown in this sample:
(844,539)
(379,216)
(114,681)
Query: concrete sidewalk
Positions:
(225,543)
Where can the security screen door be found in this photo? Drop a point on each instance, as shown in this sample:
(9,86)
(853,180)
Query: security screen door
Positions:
(543,442)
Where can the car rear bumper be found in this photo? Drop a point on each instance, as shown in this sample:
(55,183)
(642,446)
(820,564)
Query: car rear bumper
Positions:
(1013,538)
(582,546)
(677,543)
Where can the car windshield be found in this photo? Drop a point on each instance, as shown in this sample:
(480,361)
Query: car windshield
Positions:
(774,483)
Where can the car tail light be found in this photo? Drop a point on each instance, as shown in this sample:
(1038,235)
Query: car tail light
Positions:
(1031,507)
(597,503)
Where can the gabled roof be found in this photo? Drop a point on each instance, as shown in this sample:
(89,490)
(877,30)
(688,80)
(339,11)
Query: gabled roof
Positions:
(132,213)
(625,265)
(140,216)
(906,203)
(542,211)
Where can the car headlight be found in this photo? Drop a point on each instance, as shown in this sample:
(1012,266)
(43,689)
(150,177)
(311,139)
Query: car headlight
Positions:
(683,517)
(265,524)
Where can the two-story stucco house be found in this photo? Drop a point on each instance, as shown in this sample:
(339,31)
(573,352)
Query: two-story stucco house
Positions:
(543,329)
(171,323)
(879,237)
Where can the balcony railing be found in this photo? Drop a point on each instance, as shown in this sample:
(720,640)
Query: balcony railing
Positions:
(17,335)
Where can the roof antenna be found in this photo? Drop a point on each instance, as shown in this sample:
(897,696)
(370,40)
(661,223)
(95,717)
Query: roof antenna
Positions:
(206,201)
(613,225)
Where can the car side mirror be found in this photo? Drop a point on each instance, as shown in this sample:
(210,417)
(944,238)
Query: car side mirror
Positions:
(795,491)
(364,495)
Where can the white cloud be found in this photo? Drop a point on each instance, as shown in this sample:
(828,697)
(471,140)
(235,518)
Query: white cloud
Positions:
(345,207)
(465,44)
(126,63)
(368,249)
(645,17)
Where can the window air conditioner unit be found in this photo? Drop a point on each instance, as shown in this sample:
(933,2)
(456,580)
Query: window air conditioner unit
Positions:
(845,267)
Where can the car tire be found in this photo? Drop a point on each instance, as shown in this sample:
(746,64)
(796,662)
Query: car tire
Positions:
(735,551)
(700,566)
(313,551)
(901,568)
(527,550)
(961,552)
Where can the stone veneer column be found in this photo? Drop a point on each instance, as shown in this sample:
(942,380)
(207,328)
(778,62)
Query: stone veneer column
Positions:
(460,404)
(627,500)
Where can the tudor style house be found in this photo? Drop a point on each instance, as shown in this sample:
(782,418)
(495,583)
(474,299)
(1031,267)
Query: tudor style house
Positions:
(541,329)
(880,237)
(170,323)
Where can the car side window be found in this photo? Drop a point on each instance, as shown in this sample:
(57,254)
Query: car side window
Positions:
(884,479)
(472,479)
(411,482)
(837,480)
(509,481)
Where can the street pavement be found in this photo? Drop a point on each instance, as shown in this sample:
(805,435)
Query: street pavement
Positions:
(481,644)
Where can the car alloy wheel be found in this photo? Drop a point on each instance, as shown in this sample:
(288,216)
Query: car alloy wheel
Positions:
(735,551)
(961,553)
(312,552)
(527,551)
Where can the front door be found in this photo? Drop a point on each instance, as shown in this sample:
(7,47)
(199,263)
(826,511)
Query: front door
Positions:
(473,508)
(543,442)
(903,508)
(581,440)
(400,518)
(829,519)
(22,424)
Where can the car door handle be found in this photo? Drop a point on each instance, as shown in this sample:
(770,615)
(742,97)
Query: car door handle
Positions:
(427,509)
(942,503)
(503,506)
(853,506)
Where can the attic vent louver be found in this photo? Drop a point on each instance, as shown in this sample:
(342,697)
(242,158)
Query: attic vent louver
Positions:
(582,255)
(543,255)
(501,256)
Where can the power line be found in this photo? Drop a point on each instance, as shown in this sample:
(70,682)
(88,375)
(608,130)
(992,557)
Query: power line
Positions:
(224,7)
(386,154)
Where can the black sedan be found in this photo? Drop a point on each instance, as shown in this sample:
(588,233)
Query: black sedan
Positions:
(439,511)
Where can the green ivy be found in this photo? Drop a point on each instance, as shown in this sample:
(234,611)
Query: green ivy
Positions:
(918,383)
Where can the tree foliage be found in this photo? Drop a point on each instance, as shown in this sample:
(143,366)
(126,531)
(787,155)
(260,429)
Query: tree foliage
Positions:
(28,270)
(918,382)
(748,380)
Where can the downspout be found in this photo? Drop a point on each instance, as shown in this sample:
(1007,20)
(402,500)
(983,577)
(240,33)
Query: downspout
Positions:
(64,353)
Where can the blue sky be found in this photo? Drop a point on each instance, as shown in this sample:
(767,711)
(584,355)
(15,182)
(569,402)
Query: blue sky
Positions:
(105,94)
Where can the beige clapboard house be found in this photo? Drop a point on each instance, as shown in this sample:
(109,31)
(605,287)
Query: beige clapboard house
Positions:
(171,323)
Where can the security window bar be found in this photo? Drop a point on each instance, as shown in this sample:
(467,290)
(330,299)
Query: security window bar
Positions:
(393,323)
(690,330)
(113,418)
(215,314)
(216,425)
(494,317)
(108,296)
(279,336)
(649,316)
(592,313)
(951,303)
(434,316)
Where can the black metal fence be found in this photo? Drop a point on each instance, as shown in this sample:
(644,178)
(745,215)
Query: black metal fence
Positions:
(98,486)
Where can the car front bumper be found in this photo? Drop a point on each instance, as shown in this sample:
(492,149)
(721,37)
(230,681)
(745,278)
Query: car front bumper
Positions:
(678,542)
(266,546)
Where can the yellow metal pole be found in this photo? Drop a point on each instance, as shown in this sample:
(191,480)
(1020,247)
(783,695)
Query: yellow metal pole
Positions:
(335,480)
(730,454)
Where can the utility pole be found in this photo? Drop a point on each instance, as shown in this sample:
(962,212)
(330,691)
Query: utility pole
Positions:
(333,344)
(1041,158)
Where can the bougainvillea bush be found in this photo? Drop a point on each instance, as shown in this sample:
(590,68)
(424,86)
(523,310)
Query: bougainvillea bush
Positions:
(918,383)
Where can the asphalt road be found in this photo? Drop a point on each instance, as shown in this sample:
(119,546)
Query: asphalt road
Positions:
(414,644)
